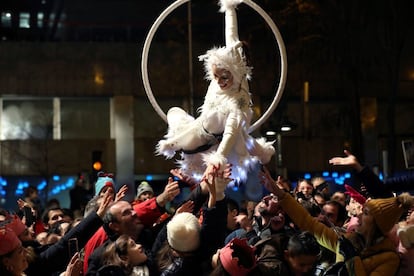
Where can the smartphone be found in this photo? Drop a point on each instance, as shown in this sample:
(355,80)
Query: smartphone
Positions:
(30,218)
(73,247)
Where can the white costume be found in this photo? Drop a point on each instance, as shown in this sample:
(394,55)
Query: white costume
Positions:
(219,135)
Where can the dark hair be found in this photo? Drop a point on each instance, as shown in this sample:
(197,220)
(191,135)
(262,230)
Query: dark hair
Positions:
(342,215)
(112,256)
(219,270)
(303,243)
(232,204)
(29,190)
(45,215)
(313,209)
(109,216)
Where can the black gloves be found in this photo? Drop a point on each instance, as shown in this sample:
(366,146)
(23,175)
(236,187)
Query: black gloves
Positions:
(346,248)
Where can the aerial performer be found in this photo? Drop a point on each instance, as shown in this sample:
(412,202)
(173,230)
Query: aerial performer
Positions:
(220,133)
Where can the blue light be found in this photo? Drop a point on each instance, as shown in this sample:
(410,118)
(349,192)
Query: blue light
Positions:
(381,176)
(235,188)
(3,192)
(334,174)
(56,178)
(339,181)
(41,185)
(347,175)
(325,174)
(307,176)
(149,177)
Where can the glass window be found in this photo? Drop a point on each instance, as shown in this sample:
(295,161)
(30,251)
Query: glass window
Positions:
(27,119)
(24,20)
(6,19)
(40,17)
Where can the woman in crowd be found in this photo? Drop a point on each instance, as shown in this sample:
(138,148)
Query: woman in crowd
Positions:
(124,257)
(368,250)
(13,260)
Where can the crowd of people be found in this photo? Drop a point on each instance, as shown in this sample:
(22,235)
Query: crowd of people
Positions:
(305,230)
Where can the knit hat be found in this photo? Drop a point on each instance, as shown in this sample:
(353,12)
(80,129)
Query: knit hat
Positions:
(183,232)
(144,187)
(230,257)
(104,180)
(8,240)
(388,211)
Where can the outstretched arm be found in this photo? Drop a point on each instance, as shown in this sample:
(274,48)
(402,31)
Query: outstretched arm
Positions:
(374,185)
(349,160)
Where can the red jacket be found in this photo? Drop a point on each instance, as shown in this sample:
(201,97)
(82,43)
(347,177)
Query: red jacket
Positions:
(148,212)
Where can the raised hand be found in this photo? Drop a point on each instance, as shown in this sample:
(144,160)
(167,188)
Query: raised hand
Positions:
(171,190)
(183,177)
(348,160)
(121,193)
(104,203)
(187,206)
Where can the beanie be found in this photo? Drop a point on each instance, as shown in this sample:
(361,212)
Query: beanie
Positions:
(8,240)
(183,232)
(234,251)
(388,211)
(104,180)
(144,187)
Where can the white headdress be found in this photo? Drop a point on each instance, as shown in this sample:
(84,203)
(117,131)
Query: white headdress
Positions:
(230,57)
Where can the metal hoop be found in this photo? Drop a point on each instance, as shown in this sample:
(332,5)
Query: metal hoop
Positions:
(271,24)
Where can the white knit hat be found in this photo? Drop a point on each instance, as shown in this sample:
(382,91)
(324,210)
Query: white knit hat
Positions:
(183,232)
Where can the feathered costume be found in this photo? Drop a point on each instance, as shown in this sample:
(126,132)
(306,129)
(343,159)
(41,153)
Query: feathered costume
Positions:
(220,134)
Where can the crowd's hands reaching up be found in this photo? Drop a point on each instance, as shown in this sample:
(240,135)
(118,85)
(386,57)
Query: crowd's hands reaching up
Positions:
(187,206)
(171,190)
(218,176)
(29,214)
(75,266)
(121,193)
(348,160)
(183,177)
(104,203)
(270,184)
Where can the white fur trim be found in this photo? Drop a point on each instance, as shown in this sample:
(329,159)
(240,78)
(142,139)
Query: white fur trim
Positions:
(228,4)
(267,150)
(227,58)
(215,159)
(163,148)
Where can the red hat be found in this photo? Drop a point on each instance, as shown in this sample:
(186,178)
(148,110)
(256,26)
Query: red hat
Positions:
(230,260)
(16,225)
(8,240)
(355,195)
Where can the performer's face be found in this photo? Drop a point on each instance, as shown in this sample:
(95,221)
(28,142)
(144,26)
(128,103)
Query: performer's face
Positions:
(223,77)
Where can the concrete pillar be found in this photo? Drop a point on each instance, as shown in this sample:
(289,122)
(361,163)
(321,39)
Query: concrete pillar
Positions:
(57,134)
(122,130)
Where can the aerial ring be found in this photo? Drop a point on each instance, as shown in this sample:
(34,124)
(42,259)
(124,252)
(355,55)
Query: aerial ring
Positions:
(276,33)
